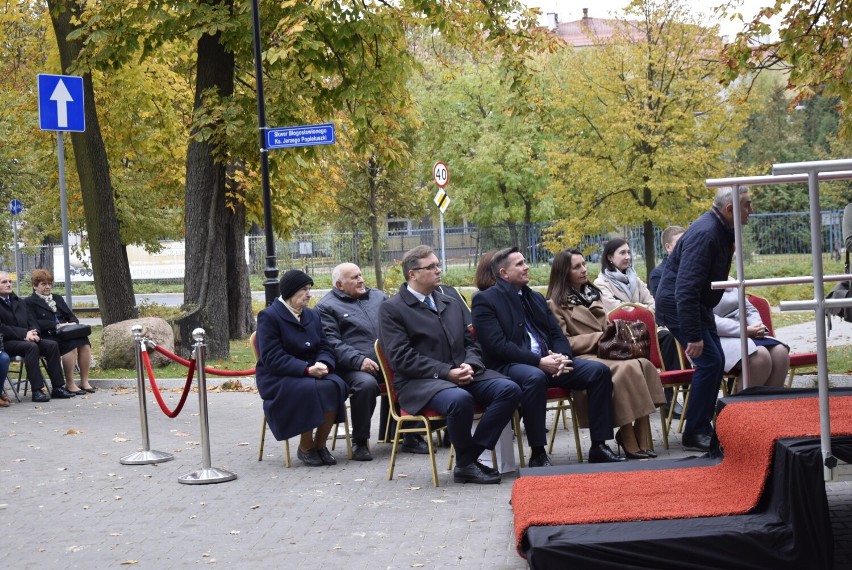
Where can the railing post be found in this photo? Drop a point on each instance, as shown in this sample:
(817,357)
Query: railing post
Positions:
(145,456)
(207,473)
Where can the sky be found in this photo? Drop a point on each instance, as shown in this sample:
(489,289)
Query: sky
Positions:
(569,10)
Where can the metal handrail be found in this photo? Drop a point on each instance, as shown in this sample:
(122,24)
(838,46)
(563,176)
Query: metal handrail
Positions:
(810,172)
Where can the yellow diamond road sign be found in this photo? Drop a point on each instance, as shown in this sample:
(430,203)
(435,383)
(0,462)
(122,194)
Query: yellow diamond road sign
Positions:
(442,200)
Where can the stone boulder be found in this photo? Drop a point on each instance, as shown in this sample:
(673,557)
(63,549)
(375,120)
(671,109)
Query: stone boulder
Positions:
(118,351)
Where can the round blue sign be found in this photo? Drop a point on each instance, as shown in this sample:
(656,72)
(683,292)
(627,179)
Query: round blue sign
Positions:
(15,207)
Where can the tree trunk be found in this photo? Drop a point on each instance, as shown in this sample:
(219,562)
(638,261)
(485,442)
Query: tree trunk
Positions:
(206,281)
(650,252)
(374,224)
(240,319)
(110,266)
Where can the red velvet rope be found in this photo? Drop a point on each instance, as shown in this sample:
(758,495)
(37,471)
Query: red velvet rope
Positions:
(172,414)
(207,369)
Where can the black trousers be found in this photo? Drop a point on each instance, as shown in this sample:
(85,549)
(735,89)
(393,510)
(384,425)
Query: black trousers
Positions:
(363,391)
(31,352)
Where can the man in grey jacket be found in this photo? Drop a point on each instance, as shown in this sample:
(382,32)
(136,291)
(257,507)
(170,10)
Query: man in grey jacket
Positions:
(350,315)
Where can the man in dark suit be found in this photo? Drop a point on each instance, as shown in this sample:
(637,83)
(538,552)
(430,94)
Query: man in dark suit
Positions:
(437,365)
(521,338)
(685,299)
(21,338)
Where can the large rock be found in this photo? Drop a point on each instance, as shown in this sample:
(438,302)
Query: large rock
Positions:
(118,350)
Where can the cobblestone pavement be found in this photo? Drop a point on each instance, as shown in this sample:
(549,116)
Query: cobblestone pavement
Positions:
(67,502)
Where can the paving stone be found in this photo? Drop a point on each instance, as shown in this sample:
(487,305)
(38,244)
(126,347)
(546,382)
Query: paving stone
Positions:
(67,502)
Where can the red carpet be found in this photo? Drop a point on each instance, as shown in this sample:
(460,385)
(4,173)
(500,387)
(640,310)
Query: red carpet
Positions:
(746,431)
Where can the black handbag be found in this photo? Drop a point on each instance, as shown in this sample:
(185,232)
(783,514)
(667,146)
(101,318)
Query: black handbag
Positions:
(74,331)
(842,290)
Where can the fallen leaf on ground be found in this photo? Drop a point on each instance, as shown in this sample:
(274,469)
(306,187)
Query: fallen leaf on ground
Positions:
(119,440)
(129,562)
(72,432)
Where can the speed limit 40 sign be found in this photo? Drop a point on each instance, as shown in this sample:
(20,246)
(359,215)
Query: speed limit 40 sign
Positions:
(441,174)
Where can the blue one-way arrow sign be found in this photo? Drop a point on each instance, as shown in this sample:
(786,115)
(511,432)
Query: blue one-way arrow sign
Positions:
(307,135)
(60,103)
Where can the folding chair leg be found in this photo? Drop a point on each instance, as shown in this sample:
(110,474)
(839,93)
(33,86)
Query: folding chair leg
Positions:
(13,387)
(516,424)
(263,440)
(790,379)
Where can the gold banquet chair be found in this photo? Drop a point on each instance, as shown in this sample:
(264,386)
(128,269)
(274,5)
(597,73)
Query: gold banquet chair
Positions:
(422,422)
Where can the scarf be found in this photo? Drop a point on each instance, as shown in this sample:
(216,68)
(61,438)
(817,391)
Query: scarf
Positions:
(297,313)
(51,302)
(587,295)
(626,282)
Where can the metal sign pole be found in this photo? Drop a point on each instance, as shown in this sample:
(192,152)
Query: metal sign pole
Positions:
(63,207)
(443,251)
(146,455)
(17,255)
(207,473)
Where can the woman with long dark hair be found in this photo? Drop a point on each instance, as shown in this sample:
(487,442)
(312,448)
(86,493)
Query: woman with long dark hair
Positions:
(636,387)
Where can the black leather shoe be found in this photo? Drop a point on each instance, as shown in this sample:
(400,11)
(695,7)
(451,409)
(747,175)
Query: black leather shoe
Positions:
(600,453)
(487,469)
(415,444)
(696,441)
(41,396)
(540,460)
(61,393)
(310,458)
(326,457)
(360,451)
(474,474)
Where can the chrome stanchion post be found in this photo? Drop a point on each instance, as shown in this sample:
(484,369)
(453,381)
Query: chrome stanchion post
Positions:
(146,455)
(207,473)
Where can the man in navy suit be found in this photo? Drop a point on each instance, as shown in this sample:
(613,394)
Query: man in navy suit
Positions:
(437,365)
(521,338)
(21,338)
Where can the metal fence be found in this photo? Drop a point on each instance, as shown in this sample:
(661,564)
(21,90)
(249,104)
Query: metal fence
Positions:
(771,239)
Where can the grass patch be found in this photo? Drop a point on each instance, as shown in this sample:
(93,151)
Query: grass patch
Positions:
(242,358)
(839,360)
(787,319)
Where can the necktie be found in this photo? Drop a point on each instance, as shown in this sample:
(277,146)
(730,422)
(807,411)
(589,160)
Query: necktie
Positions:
(428,300)
(533,330)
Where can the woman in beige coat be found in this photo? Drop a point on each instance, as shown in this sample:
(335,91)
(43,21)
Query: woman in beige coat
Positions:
(637,390)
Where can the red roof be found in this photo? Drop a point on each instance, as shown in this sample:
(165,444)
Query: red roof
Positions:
(576,33)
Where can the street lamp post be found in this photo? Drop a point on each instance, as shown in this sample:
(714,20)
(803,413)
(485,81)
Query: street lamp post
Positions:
(270,285)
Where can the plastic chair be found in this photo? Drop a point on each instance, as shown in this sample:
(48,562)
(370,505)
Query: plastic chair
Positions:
(678,380)
(798,360)
(422,421)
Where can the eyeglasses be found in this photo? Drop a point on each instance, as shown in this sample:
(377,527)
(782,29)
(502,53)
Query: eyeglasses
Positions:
(432,267)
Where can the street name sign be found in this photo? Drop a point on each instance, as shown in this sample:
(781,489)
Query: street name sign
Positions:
(60,103)
(306,135)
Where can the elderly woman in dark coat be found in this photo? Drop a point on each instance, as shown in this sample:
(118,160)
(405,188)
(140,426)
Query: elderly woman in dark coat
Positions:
(52,313)
(294,371)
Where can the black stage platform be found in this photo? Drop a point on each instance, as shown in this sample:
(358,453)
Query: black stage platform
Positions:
(789,528)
